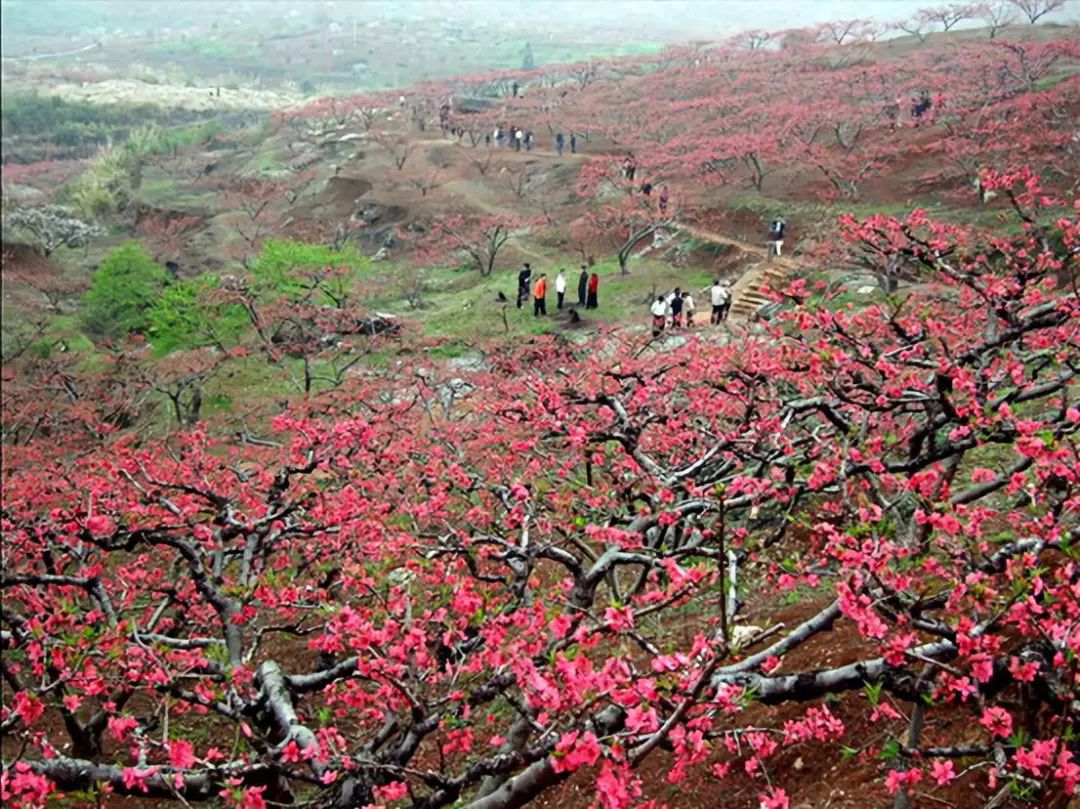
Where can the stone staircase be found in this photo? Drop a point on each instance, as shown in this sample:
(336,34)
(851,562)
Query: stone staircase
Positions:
(750,291)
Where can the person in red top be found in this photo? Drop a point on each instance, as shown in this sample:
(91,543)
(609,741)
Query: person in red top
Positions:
(594,286)
(540,296)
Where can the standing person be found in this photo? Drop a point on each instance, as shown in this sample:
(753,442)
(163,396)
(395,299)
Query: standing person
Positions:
(688,307)
(663,200)
(560,288)
(721,298)
(523,284)
(658,310)
(540,296)
(725,307)
(573,143)
(559,143)
(582,285)
(594,288)
(776,235)
(675,303)
(519,136)
(528,140)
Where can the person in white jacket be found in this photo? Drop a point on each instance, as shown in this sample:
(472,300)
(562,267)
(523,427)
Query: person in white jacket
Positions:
(659,310)
(720,295)
(560,287)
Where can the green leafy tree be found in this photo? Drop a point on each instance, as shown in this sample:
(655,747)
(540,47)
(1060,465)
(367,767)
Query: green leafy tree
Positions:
(291,268)
(192,314)
(126,286)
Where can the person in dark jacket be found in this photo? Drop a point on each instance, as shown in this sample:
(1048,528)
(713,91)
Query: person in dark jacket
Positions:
(594,288)
(523,284)
(582,286)
(675,303)
(559,142)
(573,143)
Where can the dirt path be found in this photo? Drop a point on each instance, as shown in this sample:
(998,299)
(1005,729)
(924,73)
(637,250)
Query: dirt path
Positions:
(749,291)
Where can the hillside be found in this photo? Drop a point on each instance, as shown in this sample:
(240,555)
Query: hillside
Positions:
(300,509)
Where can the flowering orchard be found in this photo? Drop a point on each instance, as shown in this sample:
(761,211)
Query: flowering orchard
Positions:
(429,592)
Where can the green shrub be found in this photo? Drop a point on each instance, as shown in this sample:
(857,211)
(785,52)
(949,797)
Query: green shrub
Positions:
(186,315)
(126,286)
(280,266)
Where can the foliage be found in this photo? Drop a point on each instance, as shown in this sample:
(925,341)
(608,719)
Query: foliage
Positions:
(104,187)
(281,264)
(462,589)
(51,227)
(126,286)
(188,315)
(71,122)
(479,240)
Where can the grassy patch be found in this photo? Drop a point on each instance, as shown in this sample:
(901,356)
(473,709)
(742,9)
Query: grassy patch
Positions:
(462,307)
(207,48)
(165,192)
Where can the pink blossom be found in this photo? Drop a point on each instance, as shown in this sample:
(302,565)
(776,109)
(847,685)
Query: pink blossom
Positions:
(394,791)
(181,753)
(942,772)
(253,798)
(575,750)
(997,721)
(775,799)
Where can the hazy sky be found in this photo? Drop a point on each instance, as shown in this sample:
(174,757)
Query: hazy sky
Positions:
(696,17)
(597,21)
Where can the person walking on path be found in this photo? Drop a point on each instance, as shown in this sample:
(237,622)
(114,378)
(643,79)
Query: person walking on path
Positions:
(688,308)
(559,143)
(659,311)
(594,288)
(560,288)
(582,286)
(573,143)
(523,284)
(540,296)
(720,296)
(528,140)
(663,200)
(519,136)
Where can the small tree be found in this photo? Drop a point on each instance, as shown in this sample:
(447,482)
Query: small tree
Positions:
(480,239)
(1034,9)
(950,15)
(996,16)
(51,227)
(126,286)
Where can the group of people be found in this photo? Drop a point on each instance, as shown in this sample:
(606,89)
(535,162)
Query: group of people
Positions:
(587,291)
(919,105)
(514,138)
(669,311)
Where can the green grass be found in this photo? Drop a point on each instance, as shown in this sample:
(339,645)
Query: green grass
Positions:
(462,307)
(208,48)
(167,193)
